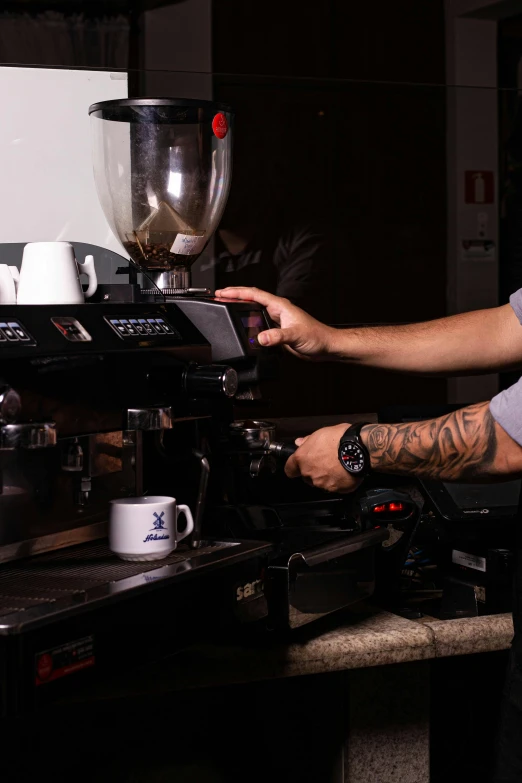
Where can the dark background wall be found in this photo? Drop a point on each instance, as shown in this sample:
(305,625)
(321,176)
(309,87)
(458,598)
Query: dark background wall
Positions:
(343,107)
(510,123)
(315,95)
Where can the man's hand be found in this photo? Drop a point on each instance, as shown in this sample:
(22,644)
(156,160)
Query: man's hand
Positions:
(481,341)
(301,334)
(464,445)
(317,461)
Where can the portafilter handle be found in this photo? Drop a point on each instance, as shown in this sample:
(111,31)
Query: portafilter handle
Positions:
(283,450)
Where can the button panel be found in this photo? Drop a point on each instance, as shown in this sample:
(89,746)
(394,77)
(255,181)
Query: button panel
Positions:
(167,328)
(72,330)
(146,326)
(12,331)
(128,328)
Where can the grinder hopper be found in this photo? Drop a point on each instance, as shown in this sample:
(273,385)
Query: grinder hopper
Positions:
(162,168)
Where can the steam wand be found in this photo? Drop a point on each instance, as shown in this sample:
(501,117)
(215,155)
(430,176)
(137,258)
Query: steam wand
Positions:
(202,496)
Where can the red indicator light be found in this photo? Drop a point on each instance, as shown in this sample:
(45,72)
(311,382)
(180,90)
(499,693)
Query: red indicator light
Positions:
(391,507)
(396,506)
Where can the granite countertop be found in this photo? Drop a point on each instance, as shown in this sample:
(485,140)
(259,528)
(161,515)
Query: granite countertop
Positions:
(365,637)
(470,635)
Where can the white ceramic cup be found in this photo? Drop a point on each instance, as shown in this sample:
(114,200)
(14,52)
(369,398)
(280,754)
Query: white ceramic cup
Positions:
(8,284)
(50,274)
(146,528)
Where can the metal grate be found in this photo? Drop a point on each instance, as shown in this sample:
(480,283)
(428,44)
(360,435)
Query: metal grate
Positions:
(45,578)
(166,292)
(10,604)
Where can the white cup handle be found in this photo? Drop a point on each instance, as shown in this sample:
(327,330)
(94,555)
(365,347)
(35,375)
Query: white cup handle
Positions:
(88,268)
(15,274)
(181,509)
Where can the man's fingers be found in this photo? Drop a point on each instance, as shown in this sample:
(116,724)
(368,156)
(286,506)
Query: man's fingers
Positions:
(300,441)
(292,467)
(276,337)
(248,295)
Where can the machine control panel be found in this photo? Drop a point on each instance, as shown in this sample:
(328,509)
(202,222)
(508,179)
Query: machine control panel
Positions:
(62,332)
(12,331)
(72,330)
(230,326)
(253,323)
(142,327)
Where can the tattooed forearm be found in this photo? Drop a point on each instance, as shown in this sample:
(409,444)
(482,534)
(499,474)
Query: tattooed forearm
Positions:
(461,445)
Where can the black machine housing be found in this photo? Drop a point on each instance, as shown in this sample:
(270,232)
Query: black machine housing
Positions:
(109,399)
(471,530)
(75,379)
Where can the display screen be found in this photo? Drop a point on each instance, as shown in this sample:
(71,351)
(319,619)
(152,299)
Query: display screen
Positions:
(253,323)
(503,495)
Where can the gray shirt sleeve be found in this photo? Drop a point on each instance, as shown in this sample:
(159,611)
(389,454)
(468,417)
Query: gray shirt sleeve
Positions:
(506,407)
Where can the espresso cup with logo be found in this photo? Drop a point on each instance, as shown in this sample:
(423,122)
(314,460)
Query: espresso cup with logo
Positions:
(146,528)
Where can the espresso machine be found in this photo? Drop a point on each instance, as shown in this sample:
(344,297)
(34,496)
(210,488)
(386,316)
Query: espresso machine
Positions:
(162,169)
(146,391)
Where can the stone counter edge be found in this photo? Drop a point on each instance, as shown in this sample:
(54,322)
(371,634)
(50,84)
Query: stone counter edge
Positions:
(375,638)
(471,635)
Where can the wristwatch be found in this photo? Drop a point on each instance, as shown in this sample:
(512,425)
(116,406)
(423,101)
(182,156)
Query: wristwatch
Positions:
(353,454)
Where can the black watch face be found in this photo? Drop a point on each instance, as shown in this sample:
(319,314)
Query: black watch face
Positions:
(352,457)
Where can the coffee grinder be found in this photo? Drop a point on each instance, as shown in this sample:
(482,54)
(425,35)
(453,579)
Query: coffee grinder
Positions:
(162,168)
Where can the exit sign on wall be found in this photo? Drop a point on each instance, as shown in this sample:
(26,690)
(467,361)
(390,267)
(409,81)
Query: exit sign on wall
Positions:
(479,187)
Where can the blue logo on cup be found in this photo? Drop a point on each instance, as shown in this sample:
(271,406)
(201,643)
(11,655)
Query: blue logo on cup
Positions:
(156,531)
(158,522)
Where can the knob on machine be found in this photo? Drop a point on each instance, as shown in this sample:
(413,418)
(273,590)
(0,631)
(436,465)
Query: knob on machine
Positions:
(211,380)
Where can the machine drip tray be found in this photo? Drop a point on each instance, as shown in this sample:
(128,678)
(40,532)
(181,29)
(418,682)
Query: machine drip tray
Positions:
(32,591)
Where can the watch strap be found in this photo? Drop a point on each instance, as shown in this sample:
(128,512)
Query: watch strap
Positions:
(354,431)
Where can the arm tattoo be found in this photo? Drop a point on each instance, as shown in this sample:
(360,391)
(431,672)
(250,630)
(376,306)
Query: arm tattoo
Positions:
(461,445)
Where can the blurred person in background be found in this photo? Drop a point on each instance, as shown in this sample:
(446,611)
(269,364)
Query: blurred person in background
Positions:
(262,242)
